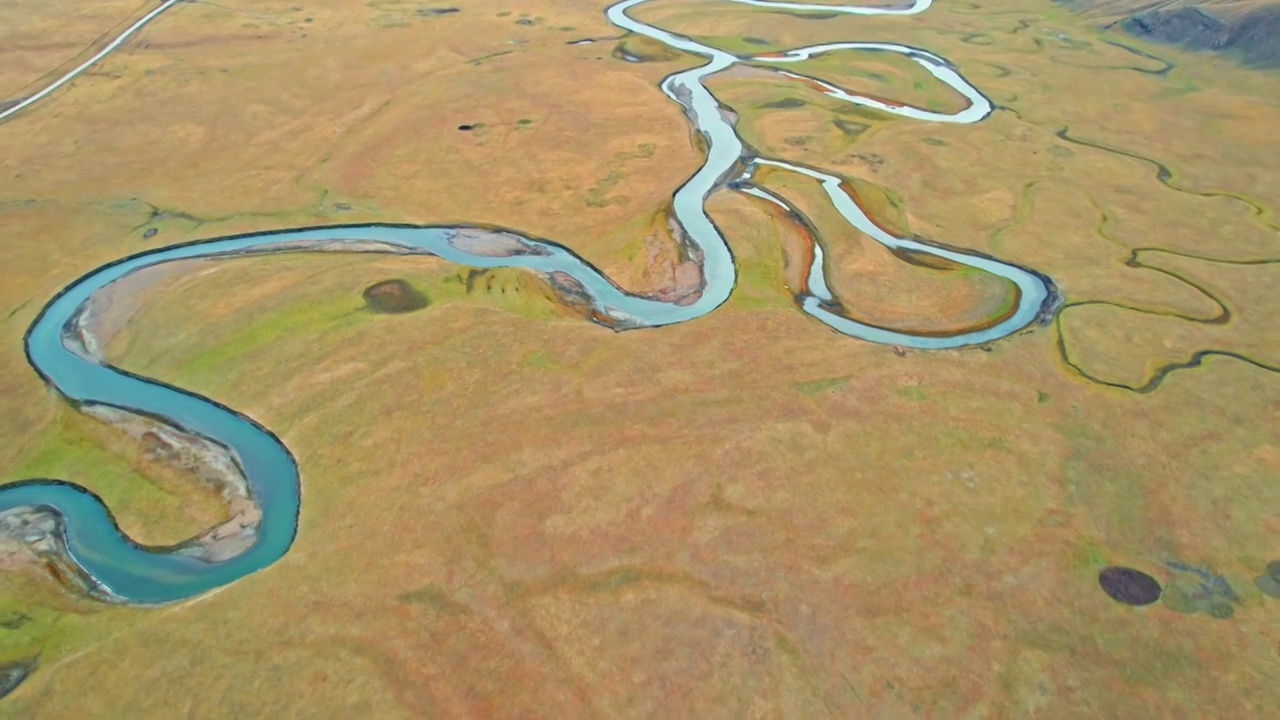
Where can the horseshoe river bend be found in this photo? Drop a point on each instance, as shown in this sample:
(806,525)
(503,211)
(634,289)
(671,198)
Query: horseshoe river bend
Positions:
(74,531)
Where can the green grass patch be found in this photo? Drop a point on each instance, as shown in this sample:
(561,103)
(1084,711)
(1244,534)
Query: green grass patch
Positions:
(76,448)
(539,359)
(266,329)
(813,387)
(435,599)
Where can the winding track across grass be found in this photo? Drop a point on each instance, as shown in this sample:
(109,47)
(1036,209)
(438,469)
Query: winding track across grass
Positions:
(106,49)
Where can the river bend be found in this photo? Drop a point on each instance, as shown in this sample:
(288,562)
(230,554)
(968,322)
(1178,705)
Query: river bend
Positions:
(67,522)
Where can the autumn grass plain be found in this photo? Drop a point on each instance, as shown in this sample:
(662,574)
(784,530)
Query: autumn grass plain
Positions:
(511,512)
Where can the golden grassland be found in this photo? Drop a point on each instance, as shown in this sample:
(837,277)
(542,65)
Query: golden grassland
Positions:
(42,38)
(510,512)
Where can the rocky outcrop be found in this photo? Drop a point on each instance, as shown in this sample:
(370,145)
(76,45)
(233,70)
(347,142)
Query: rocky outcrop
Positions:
(1188,27)
(1254,37)
(1247,31)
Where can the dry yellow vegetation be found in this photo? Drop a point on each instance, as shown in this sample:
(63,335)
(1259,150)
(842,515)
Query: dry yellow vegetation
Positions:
(510,512)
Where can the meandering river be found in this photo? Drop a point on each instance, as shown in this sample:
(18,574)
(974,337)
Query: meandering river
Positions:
(66,521)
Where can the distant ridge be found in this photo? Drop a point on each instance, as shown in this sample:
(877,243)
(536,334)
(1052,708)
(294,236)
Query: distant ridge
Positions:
(1246,30)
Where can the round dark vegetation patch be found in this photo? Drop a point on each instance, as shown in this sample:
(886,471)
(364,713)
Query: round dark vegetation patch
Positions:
(1269,581)
(1129,586)
(393,296)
